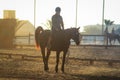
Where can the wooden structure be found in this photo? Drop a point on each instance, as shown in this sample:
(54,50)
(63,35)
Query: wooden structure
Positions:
(7,32)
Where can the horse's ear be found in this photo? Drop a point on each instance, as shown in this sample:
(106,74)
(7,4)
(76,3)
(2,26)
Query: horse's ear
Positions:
(78,28)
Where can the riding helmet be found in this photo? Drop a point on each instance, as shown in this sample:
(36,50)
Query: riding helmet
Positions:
(57,9)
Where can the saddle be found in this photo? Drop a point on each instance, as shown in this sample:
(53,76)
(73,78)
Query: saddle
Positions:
(58,39)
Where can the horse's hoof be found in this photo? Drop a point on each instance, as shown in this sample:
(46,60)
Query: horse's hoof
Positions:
(46,69)
(56,70)
(62,70)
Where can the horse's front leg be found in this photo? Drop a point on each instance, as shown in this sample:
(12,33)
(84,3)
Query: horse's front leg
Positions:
(63,60)
(47,58)
(43,56)
(57,60)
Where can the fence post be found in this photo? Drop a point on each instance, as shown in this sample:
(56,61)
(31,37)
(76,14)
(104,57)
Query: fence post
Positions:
(95,40)
(29,38)
(106,47)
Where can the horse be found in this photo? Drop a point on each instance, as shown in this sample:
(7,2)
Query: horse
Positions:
(59,43)
(113,37)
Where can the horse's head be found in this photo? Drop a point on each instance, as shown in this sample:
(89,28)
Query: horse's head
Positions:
(75,35)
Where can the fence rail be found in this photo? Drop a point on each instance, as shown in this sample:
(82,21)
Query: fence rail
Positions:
(32,58)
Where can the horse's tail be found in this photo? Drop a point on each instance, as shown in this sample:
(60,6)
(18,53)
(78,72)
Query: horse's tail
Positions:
(38,30)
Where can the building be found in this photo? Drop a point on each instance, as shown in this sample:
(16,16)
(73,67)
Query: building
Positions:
(24,28)
(9,14)
(11,27)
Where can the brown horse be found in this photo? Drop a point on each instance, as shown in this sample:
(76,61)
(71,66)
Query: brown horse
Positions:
(60,42)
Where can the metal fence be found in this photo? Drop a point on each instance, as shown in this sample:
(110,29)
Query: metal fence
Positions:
(87,40)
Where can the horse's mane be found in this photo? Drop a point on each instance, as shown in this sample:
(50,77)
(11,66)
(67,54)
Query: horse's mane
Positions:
(70,28)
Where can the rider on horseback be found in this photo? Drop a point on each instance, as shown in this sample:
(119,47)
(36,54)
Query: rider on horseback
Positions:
(57,25)
(57,21)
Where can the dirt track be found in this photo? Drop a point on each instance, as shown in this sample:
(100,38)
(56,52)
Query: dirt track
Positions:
(17,69)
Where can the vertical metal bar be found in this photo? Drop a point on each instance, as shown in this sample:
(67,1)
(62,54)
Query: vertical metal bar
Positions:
(34,13)
(103,16)
(76,13)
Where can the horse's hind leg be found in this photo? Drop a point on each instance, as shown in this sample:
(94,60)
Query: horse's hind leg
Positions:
(67,57)
(57,61)
(63,61)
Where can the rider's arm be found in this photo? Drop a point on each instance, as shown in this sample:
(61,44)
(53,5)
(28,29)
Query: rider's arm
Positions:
(62,23)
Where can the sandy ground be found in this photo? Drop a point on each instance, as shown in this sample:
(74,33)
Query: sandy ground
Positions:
(32,69)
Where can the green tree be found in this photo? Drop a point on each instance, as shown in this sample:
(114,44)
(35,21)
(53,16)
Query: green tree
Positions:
(108,23)
(48,24)
(92,29)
